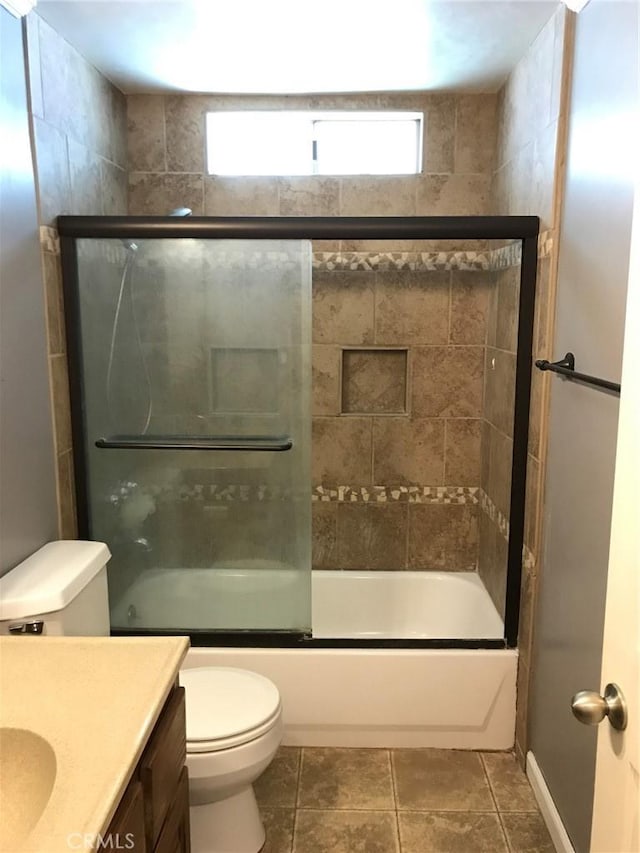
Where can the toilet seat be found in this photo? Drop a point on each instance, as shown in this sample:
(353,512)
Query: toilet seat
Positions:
(227,707)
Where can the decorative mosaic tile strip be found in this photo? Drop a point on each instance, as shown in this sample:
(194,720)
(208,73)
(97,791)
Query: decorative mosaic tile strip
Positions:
(397,494)
(545,243)
(408,261)
(49,240)
(491,510)
(495,259)
(506,256)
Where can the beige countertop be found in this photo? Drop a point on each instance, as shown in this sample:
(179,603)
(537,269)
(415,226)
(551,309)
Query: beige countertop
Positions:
(88,705)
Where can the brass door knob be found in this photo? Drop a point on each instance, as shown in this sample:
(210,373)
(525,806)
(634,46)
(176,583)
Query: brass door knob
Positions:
(591,708)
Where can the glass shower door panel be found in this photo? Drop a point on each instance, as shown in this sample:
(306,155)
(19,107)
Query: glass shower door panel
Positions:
(188,345)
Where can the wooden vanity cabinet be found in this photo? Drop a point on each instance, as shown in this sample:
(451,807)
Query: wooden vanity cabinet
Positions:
(153,815)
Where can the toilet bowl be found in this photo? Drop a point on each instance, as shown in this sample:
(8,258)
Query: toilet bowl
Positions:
(234,727)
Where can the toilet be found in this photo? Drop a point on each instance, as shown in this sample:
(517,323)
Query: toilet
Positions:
(234,727)
(234,717)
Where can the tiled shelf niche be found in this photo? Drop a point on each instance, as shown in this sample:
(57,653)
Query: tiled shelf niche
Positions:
(374,381)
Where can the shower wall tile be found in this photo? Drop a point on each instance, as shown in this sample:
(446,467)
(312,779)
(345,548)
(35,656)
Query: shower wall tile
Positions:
(470,299)
(184,152)
(485,454)
(114,189)
(162,192)
(185,133)
(374,381)
(543,161)
(341,451)
(412,308)
(448,195)
(53,183)
(499,395)
(408,452)
(447,382)
(309,196)
(500,461)
(463,448)
(85,176)
(241,196)
(492,561)
(343,308)
(78,122)
(443,537)
(379,195)
(508,294)
(475,133)
(440,133)
(325,379)
(372,537)
(324,535)
(541,340)
(145,133)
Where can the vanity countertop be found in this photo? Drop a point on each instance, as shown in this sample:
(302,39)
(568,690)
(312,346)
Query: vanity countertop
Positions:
(85,707)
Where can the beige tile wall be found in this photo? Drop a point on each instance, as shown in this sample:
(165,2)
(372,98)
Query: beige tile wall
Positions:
(79,131)
(423,430)
(167,160)
(532,111)
(398,373)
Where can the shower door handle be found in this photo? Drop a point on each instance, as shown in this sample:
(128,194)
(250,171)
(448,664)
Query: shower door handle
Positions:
(275,443)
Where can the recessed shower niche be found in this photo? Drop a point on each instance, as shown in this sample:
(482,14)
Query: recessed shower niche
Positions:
(374,381)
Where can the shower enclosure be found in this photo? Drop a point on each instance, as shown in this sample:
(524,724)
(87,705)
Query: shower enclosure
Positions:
(191,381)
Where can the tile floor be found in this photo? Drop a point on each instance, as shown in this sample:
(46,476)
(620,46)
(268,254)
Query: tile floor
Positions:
(398,801)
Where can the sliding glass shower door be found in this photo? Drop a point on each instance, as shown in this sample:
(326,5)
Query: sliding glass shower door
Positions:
(194,373)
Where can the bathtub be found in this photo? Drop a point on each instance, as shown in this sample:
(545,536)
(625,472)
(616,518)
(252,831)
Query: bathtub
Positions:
(367,697)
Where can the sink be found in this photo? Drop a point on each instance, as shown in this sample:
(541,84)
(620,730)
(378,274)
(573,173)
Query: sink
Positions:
(27,775)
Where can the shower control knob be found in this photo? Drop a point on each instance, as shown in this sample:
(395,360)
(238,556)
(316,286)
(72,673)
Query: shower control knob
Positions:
(590,708)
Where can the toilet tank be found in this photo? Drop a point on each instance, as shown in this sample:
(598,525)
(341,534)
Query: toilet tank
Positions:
(63,586)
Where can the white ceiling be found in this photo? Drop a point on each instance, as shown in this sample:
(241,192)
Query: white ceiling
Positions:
(296,46)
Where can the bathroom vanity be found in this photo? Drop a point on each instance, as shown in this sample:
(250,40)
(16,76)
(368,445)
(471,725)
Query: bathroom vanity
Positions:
(153,814)
(93,745)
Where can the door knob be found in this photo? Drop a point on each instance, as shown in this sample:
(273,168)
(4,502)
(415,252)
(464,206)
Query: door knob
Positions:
(591,708)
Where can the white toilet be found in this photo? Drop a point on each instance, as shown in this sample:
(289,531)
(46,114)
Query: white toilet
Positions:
(234,717)
(234,727)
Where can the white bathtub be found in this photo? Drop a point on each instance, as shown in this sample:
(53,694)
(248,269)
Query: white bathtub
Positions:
(450,698)
(344,605)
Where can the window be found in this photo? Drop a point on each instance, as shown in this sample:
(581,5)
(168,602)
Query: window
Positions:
(314,143)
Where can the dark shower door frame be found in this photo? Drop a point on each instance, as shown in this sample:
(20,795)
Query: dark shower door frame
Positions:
(522,228)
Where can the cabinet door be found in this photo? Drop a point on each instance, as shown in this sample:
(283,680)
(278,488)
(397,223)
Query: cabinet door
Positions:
(162,764)
(175,837)
(126,830)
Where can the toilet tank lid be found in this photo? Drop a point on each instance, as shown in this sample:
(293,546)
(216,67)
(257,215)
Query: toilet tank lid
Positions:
(50,579)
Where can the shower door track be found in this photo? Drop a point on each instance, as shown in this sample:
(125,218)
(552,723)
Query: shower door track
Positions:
(522,228)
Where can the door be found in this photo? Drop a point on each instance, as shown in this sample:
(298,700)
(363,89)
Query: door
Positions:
(616,810)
